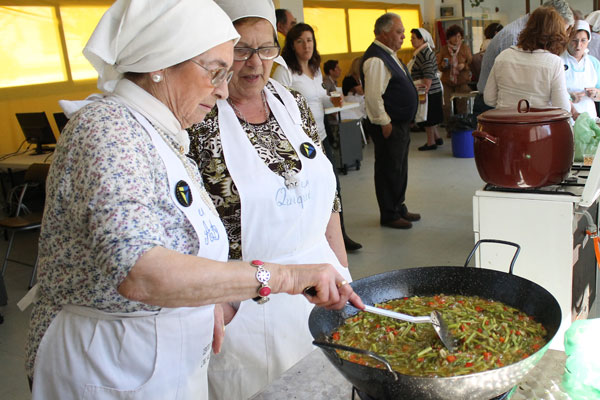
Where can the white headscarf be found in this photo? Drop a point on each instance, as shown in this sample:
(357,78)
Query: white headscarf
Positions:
(237,9)
(149,35)
(582,25)
(593,19)
(427,37)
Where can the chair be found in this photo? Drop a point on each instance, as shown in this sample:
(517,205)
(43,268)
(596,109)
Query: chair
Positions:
(23,219)
(61,120)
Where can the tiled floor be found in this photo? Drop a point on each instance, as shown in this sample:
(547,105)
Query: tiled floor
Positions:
(440,188)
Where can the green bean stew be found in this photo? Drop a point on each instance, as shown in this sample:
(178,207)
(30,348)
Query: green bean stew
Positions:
(490,334)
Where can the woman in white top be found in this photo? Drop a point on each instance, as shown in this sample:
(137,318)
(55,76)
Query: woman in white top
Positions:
(532,69)
(301,55)
(581,71)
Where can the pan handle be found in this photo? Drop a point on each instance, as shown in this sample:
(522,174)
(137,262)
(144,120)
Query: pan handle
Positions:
(327,345)
(514,259)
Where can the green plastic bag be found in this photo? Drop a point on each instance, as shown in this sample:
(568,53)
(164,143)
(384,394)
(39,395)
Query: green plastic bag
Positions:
(587,136)
(582,370)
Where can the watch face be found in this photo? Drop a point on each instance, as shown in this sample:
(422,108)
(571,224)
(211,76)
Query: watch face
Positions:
(263,276)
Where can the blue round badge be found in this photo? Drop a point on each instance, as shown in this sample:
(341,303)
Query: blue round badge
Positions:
(183,193)
(308,150)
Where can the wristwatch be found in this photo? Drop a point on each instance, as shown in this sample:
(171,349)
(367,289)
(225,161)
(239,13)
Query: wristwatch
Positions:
(262,276)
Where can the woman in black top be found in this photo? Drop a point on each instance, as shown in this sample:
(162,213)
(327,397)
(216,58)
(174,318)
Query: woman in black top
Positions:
(351,83)
(424,68)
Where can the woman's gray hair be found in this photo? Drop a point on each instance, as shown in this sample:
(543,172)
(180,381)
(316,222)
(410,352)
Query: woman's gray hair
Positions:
(562,7)
(385,23)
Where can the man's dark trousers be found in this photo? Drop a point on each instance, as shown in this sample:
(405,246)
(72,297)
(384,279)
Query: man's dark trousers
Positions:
(391,168)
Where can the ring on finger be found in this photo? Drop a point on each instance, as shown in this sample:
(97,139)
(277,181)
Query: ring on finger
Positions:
(342,283)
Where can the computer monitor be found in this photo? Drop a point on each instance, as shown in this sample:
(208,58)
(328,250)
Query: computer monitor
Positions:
(37,130)
(61,120)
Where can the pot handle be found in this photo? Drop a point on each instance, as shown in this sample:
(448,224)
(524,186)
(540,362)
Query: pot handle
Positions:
(514,259)
(481,135)
(327,345)
(526,105)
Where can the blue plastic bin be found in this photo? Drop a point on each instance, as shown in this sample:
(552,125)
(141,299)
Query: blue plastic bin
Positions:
(462,144)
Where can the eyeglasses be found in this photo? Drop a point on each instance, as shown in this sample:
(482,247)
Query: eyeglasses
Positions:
(217,75)
(264,53)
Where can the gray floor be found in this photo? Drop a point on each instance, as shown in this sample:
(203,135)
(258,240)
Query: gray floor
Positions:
(440,188)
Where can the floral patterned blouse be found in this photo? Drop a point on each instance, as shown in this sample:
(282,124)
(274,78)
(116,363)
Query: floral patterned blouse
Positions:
(207,151)
(107,203)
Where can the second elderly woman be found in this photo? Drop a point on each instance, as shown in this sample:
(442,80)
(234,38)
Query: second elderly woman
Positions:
(259,156)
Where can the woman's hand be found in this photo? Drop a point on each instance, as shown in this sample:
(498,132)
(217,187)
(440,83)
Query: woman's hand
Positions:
(577,96)
(592,93)
(328,288)
(218,329)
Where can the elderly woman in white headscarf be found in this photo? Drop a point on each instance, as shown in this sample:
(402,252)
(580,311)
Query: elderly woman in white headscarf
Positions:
(132,251)
(582,71)
(424,71)
(259,154)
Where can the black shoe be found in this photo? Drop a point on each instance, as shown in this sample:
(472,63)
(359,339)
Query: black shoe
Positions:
(351,245)
(439,141)
(426,147)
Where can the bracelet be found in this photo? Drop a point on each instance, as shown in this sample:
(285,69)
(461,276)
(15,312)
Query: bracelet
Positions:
(262,276)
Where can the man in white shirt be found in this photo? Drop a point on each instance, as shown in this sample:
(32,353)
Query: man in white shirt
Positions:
(391,101)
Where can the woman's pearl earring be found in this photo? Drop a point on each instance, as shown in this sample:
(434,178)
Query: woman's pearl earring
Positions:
(156,78)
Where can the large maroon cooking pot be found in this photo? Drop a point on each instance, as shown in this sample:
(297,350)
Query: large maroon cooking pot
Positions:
(523,147)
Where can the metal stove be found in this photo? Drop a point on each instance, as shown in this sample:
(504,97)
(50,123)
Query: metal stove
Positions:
(550,224)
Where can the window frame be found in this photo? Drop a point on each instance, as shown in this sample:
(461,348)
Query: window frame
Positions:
(52,88)
(383,6)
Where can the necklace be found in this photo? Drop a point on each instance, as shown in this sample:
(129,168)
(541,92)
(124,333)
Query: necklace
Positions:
(186,163)
(267,141)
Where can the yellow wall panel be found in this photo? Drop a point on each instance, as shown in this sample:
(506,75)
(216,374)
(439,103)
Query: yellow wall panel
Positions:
(78,25)
(31,47)
(411,20)
(362,24)
(329,25)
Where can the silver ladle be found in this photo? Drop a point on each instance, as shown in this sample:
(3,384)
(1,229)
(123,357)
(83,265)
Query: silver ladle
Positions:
(435,318)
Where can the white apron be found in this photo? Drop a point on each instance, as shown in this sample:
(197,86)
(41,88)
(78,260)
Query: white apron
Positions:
(580,77)
(278,225)
(141,355)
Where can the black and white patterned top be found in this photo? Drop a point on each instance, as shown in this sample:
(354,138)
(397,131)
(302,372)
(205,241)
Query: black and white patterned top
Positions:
(207,151)
(425,67)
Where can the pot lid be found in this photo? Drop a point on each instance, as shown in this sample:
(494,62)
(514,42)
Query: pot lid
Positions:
(523,114)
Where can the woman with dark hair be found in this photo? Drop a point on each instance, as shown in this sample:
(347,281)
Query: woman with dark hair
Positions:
(532,69)
(489,32)
(453,60)
(424,69)
(352,83)
(303,60)
(301,55)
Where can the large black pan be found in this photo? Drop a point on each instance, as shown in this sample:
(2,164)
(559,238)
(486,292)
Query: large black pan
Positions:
(425,281)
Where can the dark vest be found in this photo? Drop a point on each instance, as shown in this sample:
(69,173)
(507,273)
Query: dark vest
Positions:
(400,98)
